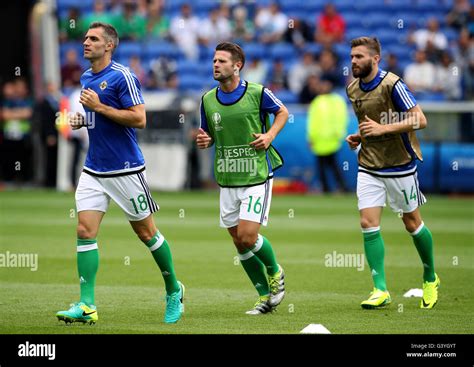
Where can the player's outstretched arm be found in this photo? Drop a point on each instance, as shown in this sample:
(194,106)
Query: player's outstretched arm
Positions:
(133,116)
(263,141)
(203,140)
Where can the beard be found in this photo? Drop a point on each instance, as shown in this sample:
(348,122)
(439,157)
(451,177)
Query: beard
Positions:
(363,70)
(221,77)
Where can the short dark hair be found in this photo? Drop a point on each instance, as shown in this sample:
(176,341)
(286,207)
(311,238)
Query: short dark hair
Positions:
(372,43)
(110,33)
(234,49)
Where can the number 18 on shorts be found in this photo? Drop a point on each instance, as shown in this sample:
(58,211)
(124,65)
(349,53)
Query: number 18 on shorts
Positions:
(130,192)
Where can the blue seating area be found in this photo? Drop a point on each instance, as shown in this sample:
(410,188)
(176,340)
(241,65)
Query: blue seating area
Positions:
(389,20)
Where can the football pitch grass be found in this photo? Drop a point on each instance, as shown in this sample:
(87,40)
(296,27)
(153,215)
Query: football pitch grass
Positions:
(305,231)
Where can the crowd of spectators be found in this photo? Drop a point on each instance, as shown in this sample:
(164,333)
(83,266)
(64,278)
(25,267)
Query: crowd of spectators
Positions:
(435,68)
(169,46)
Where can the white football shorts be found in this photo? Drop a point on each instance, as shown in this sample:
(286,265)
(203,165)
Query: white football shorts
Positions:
(248,203)
(130,192)
(403,193)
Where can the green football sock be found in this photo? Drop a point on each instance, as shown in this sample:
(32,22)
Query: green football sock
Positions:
(264,251)
(423,241)
(255,271)
(87,266)
(162,254)
(375,253)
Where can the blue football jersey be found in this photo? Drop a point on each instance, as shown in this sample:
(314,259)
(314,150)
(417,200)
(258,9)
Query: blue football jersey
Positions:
(113,148)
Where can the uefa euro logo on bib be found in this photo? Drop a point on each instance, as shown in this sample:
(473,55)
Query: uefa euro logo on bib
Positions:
(216,118)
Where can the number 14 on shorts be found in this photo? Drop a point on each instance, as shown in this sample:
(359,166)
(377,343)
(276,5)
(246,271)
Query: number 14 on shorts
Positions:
(412,195)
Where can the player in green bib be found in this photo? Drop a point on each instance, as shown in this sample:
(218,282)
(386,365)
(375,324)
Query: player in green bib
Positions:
(235,118)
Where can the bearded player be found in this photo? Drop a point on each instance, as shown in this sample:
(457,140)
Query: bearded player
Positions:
(388,116)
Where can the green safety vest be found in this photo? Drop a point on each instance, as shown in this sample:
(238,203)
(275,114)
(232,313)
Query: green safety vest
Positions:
(327,123)
(236,163)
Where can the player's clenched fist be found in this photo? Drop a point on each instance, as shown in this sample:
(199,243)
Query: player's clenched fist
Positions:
(77,121)
(90,99)
(203,140)
(353,140)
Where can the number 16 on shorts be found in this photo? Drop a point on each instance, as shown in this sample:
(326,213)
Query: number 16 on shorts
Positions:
(256,203)
(245,203)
